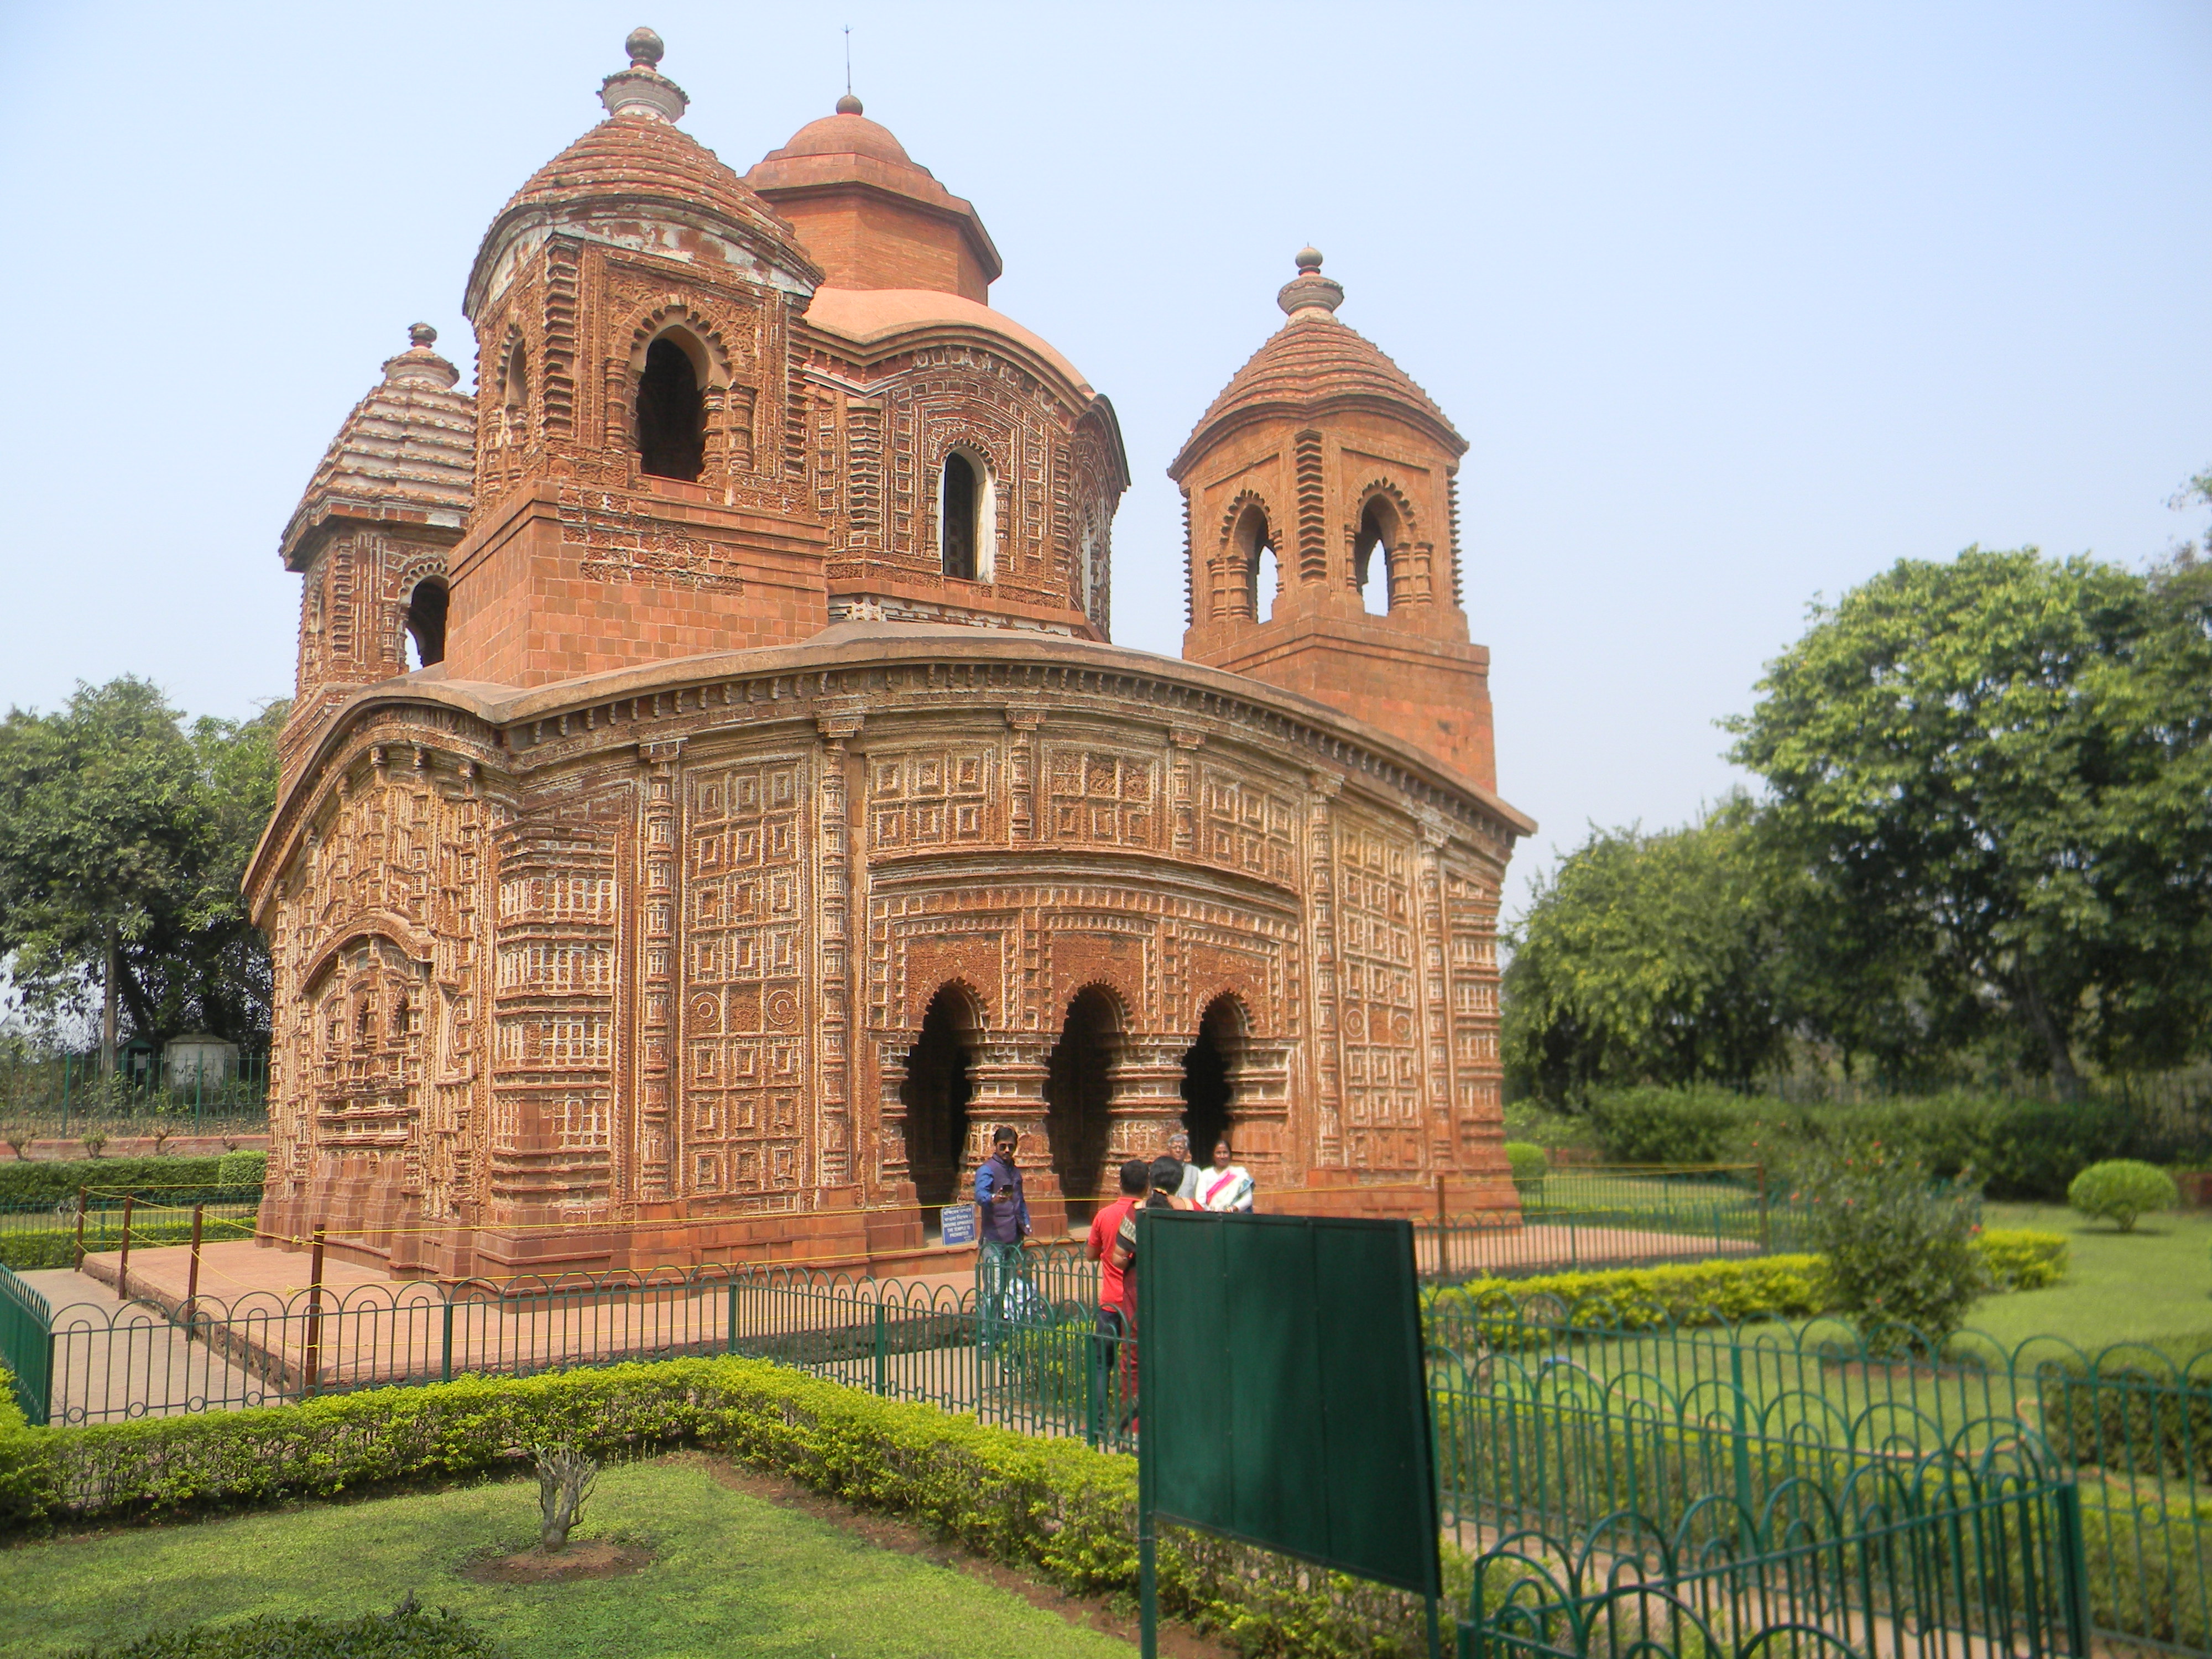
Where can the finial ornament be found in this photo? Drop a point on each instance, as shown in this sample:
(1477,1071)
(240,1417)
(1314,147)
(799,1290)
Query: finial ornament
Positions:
(848,105)
(642,89)
(1310,291)
(419,365)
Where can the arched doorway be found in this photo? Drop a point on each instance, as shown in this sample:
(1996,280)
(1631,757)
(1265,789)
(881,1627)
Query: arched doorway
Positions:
(936,1093)
(1079,1097)
(1207,1065)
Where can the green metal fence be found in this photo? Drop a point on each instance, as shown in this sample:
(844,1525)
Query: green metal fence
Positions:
(1007,1356)
(1630,1217)
(1550,1423)
(27,1345)
(1945,1555)
(1549,1420)
(70,1095)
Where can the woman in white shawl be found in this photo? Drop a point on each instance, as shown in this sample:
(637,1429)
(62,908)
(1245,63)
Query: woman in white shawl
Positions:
(1224,1186)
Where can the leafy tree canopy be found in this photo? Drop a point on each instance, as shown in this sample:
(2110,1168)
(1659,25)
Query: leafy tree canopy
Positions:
(114,814)
(1647,958)
(1993,779)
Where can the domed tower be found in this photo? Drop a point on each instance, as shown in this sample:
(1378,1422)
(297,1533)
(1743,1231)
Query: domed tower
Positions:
(371,533)
(641,454)
(967,472)
(1321,517)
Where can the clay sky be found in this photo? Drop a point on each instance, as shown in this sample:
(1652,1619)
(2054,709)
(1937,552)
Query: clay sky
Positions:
(1736,305)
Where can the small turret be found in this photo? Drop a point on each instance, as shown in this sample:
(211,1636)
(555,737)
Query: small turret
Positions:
(372,533)
(1320,499)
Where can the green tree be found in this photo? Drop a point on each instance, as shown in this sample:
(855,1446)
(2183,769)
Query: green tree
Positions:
(123,839)
(1993,778)
(1647,958)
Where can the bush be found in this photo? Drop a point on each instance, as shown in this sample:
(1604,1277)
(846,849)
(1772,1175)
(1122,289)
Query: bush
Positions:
(406,1632)
(242,1169)
(1529,1165)
(1731,1292)
(1039,1504)
(2024,1259)
(1642,1299)
(170,1180)
(1900,1249)
(1669,1125)
(2120,1190)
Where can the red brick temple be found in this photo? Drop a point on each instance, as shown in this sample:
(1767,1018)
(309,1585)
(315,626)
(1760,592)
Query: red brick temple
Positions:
(713,799)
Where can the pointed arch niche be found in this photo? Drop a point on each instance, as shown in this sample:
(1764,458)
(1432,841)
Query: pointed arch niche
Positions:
(937,1090)
(1211,1068)
(1079,1094)
(1379,582)
(1255,571)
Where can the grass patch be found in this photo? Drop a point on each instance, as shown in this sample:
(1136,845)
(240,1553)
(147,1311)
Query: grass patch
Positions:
(2152,1285)
(732,1575)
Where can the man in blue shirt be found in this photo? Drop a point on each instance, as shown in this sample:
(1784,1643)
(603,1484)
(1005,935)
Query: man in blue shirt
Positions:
(1003,1224)
(1004,1211)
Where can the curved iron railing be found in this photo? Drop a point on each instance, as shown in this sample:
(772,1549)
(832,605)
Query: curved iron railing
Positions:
(1948,1554)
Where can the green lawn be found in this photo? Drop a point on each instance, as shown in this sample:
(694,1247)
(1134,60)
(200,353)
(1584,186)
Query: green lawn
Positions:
(733,1575)
(2153,1284)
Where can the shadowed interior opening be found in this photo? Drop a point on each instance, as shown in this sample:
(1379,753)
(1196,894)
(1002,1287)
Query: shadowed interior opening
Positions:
(1079,1094)
(1206,1068)
(672,416)
(935,1094)
(959,504)
(426,623)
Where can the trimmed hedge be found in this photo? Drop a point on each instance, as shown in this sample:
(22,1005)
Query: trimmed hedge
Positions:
(2017,1147)
(1045,1505)
(1733,1292)
(169,1180)
(406,1632)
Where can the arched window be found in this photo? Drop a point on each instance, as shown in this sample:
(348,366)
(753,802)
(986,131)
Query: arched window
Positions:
(426,623)
(1257,579)
(1371,575)
(959,516)
(671,414)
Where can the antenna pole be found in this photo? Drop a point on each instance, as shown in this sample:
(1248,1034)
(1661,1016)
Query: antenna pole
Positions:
(849,58)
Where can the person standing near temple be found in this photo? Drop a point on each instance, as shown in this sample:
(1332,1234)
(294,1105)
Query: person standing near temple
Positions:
(1187,1189)
(1002,1210)
(1226,1188)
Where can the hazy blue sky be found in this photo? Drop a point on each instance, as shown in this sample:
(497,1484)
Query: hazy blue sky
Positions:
(1736,305)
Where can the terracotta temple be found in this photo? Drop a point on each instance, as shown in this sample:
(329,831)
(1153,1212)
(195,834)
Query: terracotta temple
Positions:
(713,799)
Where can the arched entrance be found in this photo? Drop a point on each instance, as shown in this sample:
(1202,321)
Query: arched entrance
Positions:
(936,1094)
(1079,1097)
(1207,1065)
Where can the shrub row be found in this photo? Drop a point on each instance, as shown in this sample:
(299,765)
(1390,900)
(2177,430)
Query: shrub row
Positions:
(170,1180)
(1049,1506)
(2018,1148)
(1733,1292)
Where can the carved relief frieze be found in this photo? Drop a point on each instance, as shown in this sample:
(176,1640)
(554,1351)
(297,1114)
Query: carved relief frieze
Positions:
(749,984)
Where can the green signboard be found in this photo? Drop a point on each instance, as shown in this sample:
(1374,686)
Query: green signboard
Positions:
(1281,1400)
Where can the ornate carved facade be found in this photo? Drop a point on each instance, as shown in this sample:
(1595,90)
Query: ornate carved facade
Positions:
(770,816)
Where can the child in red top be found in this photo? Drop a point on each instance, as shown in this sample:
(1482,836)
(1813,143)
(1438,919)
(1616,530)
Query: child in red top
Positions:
(1113,1286)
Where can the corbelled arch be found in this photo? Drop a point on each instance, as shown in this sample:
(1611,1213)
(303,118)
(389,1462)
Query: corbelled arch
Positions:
(1079,1091)
(1249,528)
(1383,517)
(936,1088)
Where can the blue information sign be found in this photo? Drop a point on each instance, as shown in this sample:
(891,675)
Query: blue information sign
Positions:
(959,1223)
